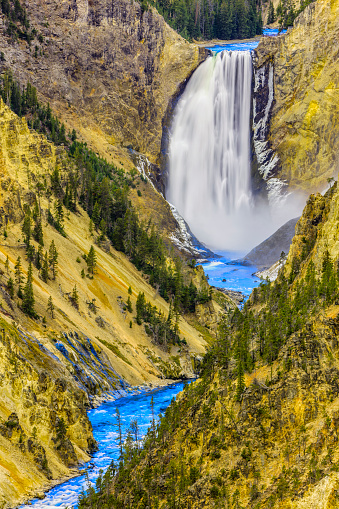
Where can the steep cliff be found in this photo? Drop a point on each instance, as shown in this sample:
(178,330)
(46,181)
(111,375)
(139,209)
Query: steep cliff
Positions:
(44,428)
(108,70)
(302,121)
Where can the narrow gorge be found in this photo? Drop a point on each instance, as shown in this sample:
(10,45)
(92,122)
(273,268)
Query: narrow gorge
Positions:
(130,153)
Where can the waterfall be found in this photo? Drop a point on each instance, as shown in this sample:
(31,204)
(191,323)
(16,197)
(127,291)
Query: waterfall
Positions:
(209,152)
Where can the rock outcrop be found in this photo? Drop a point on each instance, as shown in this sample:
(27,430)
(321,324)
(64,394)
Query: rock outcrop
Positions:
(304,116)
(44,428)
(269,251)
(107,69)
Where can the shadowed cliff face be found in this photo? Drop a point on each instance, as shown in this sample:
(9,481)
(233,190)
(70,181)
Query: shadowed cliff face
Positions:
(305,114)
(107,68)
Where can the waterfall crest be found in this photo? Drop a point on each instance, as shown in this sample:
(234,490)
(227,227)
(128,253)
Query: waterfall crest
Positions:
(209,151)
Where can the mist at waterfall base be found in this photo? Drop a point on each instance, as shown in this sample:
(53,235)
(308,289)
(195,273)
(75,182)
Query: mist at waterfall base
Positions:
(209,159)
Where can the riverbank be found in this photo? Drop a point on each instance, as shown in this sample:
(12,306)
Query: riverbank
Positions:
(64,492)
(271,31)
(131,407)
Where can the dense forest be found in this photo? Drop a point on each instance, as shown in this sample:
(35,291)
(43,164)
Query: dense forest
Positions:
(226,19)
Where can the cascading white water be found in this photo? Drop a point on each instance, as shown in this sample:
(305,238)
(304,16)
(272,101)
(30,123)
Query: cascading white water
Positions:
(209,151)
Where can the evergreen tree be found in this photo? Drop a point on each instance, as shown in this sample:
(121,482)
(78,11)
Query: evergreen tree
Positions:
(103,229)
(39,258)
(26,228)
(28,297)
(75,297)
(53,259)
(44,269)
(18,271)
(140,307)
(96,215)
(50,306)
(7,264)
(37,232)
(10,287)
(271,14)
(129,305)
(91,260)
(59,216)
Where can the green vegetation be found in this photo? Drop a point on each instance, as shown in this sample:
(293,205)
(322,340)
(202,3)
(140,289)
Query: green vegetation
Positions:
(91,260)
(50,307)
(74,297)
(28,297)
(223,19)
(286,12)
(247,339)
(271,14)
(24,102)
(161,329)
(102,190)
(18,25)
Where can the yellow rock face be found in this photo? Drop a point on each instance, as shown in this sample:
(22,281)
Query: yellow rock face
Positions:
(305,116)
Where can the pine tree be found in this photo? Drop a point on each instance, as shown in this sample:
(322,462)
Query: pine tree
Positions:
(96,215)
(39,258)
(75,297)
(91,260)
(271,14)
(44,269)
(38,233)
(129,305)
(28,297)
(103,229)
(59,216)
(10,287)
(50,306)
(53,259)
(140,307)
(18,271)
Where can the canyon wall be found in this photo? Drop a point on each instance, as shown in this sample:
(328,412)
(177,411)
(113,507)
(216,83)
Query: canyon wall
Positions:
(302,131)
(107,69)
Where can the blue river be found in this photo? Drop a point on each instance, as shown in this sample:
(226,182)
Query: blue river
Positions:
(138,406)
(228,272)
(247,45)
(133,406)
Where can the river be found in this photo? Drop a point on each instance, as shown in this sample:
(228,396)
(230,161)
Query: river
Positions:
(133,406)
(229,273)
(223,272)
(138,406)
